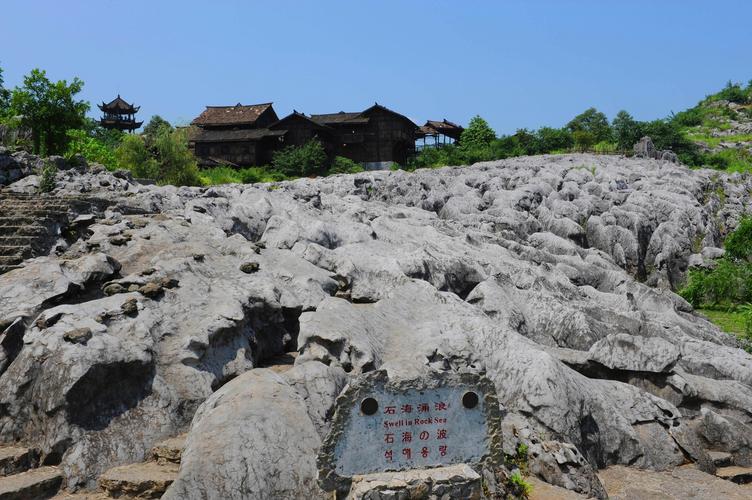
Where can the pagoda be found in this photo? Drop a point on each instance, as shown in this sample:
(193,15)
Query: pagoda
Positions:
(120,115)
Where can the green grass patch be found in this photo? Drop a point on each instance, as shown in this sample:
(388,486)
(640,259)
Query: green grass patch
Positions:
(730,321)
(712,141)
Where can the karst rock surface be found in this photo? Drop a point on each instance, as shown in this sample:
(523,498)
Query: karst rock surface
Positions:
(553,275)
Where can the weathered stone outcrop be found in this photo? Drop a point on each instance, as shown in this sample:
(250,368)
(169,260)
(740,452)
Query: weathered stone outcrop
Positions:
(551,275)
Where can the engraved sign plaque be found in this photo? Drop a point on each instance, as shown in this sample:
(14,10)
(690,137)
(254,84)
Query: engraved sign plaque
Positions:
(382,425)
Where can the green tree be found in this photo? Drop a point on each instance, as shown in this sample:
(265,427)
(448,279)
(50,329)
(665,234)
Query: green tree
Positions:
(49,109)
(91,148)
(133,155)
(177,165)
(592,121)
(4,96)
(301,161)
(553,139)
(152,129)
(168,162)
(626,130)
(738,244)
(583,140)
(478,134)
(342,165)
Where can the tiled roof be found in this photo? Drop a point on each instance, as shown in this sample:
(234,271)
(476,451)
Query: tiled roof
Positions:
(341,117)
(231,115)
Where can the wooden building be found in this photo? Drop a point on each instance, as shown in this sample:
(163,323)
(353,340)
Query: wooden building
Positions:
(441,132)
(376,137)
(248,135)
(298,129)
(119,114)
(235,135)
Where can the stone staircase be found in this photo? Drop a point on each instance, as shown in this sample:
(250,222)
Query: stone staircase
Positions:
(725,468)
(31,223)
(148,479)
(22,479)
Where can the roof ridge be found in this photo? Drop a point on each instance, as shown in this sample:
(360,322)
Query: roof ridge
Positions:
(242,105)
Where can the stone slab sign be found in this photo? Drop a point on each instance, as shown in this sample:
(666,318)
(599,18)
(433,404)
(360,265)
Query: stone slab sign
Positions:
(383,425)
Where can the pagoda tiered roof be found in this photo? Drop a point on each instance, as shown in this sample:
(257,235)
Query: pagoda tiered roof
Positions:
(119,106)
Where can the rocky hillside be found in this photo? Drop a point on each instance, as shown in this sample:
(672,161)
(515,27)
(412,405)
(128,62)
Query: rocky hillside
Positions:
(721,126)
(553,275)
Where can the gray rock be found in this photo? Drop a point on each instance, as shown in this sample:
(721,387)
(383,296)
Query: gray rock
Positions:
(627,352)
(552,275)
(272,455)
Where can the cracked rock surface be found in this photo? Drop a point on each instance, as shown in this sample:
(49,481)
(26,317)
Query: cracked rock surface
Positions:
(552,275)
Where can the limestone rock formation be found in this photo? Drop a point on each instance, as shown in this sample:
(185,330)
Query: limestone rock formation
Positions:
(554,276)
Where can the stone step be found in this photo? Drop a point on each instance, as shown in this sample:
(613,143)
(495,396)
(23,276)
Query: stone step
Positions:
(720,458)
(34,212)
(11,250)
(736,474)
(15,459)
(6,220)
(10,260)
(141,480)
(17,240)
(34,484)
(170,450)
(22,230)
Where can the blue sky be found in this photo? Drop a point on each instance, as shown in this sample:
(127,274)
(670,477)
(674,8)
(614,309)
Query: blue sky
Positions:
(517,64)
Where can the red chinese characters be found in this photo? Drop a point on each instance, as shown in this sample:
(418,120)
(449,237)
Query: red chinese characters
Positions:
(424,435)
(440,406)
(390,410)
(407,437)
(441,434)
(424,452)
(407,453)
(388,455)
(407,408)
(423,408)
(389,437)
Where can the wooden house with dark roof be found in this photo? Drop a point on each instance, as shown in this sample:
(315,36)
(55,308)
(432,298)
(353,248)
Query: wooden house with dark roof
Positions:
(442,132)
(235,135)
(376,137)
(298,129)
(248,135)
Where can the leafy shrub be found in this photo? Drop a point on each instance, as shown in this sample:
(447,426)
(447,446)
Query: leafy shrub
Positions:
(738,244)
(229,175)
(177,165)
(733,92)
(583,140)
(692,117)
(342,165)
(730,282)
(94,150)
(47,177)
(220,175)
(301,161)
(605,147)
(519,486)
(133,155)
